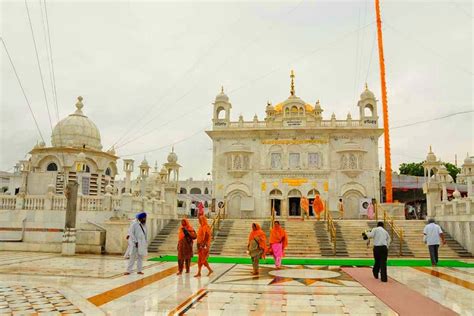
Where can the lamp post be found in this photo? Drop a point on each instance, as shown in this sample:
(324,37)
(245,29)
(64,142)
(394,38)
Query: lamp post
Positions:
(128,168)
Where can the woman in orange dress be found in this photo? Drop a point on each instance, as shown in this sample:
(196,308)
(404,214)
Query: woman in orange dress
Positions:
(203,245)
(304,205)
(318,206)
(186,235)
(278,243)
(257,246)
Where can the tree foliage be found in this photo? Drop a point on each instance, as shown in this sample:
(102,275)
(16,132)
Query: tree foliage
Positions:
(416,169)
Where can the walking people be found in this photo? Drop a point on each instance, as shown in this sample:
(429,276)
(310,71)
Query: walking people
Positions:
(318,206)
(278,243)
(371,210)
(432,236)
(139,244)
(203,245)
(186,235)
(340,208)
(304,205)
(200,209)
(381,243)
(257,246)
(129,242)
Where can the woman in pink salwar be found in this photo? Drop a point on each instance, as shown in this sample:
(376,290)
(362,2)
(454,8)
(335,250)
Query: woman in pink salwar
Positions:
(278,243)
(371,210)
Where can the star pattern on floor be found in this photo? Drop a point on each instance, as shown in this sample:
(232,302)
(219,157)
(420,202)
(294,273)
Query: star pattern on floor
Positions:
(243,273)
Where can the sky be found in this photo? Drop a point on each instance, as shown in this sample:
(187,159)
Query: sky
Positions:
(149,71)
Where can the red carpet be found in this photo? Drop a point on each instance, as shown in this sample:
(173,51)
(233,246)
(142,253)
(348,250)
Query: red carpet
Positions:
(399,297)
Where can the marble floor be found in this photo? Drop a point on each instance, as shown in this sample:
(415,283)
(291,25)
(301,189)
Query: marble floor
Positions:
(49,284)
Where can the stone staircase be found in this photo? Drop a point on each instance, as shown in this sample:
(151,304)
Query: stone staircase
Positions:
(310,239)
(166,241)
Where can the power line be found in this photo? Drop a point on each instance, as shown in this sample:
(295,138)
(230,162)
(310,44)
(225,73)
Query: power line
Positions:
(433,119)
(461,9)
(240,51)
(22,90)
(337,40)
(51,59)
(370,58)
(39,65)
(168,145)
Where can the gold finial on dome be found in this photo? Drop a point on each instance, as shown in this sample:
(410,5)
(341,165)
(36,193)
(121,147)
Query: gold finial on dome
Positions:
(222,89)
(79,104)
(292,76)
(366,86)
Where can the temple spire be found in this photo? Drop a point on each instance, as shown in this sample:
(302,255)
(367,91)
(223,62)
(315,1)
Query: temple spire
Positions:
(292,89)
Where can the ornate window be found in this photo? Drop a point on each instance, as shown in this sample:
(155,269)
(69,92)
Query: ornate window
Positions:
(314,160)
(352,161)
(294,160)
(52,167)
(246,162)
(276,160)
(108,172)
(237,162)
(344,162)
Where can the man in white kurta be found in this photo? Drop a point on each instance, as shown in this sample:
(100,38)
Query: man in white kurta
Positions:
(139,244)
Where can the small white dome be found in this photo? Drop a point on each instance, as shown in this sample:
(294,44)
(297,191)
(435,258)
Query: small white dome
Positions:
(367,94)
(172,157)
(431,157)
(81,156)
(76,130)
(222,97)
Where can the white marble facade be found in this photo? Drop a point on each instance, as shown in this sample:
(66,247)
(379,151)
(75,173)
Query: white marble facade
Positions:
(294,152)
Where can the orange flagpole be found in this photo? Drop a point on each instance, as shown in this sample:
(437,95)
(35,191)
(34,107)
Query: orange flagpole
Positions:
(388,159)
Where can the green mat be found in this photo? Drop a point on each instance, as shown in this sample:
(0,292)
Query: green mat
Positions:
(328,262)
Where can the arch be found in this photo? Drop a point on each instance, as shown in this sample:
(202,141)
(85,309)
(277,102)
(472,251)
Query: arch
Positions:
(88,169)
(294,109)
(182,191)
(52,167)
(275,148)
(219,112)
(351,200)
(45,161)
(237,186)
(301,111)
(195,191)
(287,111)
(294,193)
(275,193)
(353,186)
(108,172)
(368,110)
(113,169)
(234,203)
(312,193)
(92,165)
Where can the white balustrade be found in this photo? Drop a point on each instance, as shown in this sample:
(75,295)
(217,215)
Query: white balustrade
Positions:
(91,203)
(59,203)
(34,202)
(7,202)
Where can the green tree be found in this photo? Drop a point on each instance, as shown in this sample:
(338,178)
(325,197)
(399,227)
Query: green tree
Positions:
(416,169)
(412,168)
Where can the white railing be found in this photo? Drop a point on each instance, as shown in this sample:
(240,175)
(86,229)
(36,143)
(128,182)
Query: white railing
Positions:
(91,203)
(7,202)
(58,203)
(325,123)
(34,202)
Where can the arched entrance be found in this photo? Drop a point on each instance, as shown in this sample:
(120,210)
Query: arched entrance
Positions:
(294,197)
(311,195)
(275,201)
(351,203)
(234,203)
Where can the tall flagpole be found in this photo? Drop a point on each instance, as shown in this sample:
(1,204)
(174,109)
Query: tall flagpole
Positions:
(388,159)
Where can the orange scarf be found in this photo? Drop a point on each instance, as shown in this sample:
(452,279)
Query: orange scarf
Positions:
(318,205)
(203,229)
(278,235)
(304,204)
(260,235)
(186,225)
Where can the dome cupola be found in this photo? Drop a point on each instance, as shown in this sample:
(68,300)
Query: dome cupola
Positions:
(76,130)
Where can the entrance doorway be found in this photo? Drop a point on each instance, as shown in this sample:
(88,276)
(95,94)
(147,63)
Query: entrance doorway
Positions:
(294,198)
(277,206)
(311,195)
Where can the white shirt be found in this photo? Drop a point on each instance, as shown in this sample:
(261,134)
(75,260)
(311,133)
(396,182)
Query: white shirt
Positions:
(431,232)
(380,236)
(138,235)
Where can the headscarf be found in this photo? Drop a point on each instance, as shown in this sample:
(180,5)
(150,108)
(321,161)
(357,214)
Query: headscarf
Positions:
(318,205)
(203,229)
(141,215)
(186,225)
(260,234)
(200,209)
(304,204)
(277,235)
